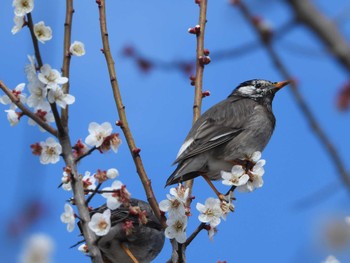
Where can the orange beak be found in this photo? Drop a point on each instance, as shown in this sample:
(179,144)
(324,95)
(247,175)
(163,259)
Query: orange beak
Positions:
(281,84)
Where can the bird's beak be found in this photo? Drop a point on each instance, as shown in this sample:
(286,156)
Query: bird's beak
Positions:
(281,84)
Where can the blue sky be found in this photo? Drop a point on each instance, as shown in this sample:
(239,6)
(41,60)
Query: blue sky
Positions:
(268,225)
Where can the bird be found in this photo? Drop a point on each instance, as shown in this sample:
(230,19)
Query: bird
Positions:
(230,131)
(142,244)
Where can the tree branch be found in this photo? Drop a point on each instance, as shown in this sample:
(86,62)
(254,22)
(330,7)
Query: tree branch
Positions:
(311,119)
(146,182)
(67,153)
(66,56)
(324,29)
(26,111)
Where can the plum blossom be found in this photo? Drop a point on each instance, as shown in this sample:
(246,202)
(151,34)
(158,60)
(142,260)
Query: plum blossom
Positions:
(176,228)
(66,184)
(50,151)
(175,205)
(43,33)
(84,249)
(77,48)
(57,96)
(181,192)
(17,92)
(119,195)
(112,141)
(45,116)
(112,173)
(211,232)
(331,259)
(19,22)
(23,7)
(13,117)
(98,133)
(38,249)
(37,98)
(101,223)
(51,77)
(255,178)
(68,217)
(89,182)
(30,69)
(236,177)
(210,212)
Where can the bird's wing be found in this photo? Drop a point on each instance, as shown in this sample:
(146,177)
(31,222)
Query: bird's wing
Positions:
(218,125)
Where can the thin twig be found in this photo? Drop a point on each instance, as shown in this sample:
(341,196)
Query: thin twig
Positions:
(197,103)
(67,154)
(93,193)
(26,111)
(34,40)
(311,119)
(80,157)
(66,56)
(146,182)
(194,234)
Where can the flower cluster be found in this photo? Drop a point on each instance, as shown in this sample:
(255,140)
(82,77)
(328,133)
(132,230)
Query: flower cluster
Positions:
(246,180)
(101,137)
(177,211)
(212,212)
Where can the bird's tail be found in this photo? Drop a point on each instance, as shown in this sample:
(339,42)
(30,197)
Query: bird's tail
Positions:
(183,172)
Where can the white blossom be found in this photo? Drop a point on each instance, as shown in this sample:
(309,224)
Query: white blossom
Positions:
(173,206)
(12,117)
(176,228)
(17,92)
(56,95)
(30,69)
(77,48)
(236,177)
(38,249)
(112,173)
(84,249)
(211,232)
(45,116)
(98,133)
(113,201)
(50,152)
(255,180)
(256,156)
(331,259)
(19,22)
(89,182)
(66,184)
(51,77)
(101,223)
(181,192)
(23,7)
(43,33)
(210,212)
(37,98)
(68,217)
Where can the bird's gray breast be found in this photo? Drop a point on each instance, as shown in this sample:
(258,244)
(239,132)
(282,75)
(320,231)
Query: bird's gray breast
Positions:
(257,131)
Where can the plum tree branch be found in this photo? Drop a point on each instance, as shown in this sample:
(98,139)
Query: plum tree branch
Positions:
(67,56)
(325,29)
(146,182)
(26,111)
(67,154)
(311,119)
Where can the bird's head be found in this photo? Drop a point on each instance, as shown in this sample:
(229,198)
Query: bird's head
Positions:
(259,89)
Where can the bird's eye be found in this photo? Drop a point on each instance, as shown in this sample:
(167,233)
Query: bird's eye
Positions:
(258,85)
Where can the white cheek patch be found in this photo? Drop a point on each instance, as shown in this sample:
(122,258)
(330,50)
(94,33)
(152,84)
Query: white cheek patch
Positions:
(185,146)
(247,90)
